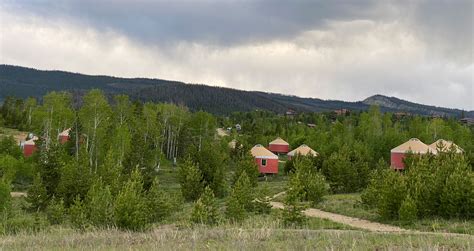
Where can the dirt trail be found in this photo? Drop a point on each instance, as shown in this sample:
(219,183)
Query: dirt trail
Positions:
(17,194)
(353,222)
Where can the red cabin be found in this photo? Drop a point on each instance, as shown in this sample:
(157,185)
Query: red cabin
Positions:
(413,145)
(267,161)
(64,136)
(29,147)
(279,146)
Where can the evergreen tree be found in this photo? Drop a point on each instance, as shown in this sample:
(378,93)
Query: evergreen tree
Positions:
(99,205)
(130,205)
(158,202)
(205,209)
(37,195)
(5,198)
(408,211)
(247,164)
(240,200)
(190,178)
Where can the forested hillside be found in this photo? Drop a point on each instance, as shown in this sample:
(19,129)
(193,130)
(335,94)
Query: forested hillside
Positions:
(24,82)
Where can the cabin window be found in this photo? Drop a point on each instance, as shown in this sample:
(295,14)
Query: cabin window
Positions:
(264,162)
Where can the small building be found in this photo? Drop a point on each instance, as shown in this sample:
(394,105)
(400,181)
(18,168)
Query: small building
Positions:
(414,146)
(310,125)
(302,150)
(29,146)
(64,136)
(267,161)
(445,146)
(341,112)
(238,127)
(279,146)
(467,121)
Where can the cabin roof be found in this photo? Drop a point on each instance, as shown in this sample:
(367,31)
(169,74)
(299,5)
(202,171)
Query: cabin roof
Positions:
(303,150)
(413,145)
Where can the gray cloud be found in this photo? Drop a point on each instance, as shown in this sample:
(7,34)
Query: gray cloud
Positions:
(417,50)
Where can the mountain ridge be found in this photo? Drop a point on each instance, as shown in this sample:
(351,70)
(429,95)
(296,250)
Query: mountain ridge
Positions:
(23,82)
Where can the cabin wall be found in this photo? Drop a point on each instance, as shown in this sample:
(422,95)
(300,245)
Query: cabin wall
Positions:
(396,160)
(270,167)
(279,148)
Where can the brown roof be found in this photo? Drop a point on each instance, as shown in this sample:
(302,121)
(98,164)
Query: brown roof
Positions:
(65,132)
(258,151)
(31,141)
(303,150)
(279,141)
(446,145)
(413,145)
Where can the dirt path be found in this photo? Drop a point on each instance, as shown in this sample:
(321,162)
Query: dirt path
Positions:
(17,194)
(353,222)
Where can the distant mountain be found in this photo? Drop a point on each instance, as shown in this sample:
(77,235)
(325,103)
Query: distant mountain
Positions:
(24,82)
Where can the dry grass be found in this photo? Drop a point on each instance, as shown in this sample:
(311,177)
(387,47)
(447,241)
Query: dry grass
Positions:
(230,238)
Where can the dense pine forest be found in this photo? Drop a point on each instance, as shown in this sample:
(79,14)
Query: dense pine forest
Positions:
(133,165)
(27,82)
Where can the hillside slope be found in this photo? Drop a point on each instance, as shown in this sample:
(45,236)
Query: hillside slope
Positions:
(25,82)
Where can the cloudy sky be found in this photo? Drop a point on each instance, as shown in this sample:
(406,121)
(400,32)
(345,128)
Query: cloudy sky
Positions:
(416,50)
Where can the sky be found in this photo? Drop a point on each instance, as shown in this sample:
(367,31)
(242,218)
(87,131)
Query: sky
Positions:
(417,50)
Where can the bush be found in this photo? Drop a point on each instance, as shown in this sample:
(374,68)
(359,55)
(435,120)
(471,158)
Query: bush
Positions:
(261,204)
(130,205)
(99,205)
(37,196)
(5,197)
(306,182)
(408,211)
(240,200)
(457,197)
(55,211)
(190,179)
(247,164)
(159,204)
(392,193)
(78,214)
(292,214)
(205,210)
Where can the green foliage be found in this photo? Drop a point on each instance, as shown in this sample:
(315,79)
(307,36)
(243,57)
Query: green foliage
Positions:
(261,204)
(190,179)
(130,205)
(76,179)
(205,209)
(78,214)
(240,200)
(5,198)
(55,212)
(408,211)
(99,205)
(211,162)
(306,182)
(292,214)
(457,196)
(159,204)
(37,195)
(8,146)
(247,164)
(392,194)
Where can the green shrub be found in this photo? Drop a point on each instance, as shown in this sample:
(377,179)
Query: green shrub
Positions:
(37,196)
(23,223)
(5,197)
(55,211)
(392,193)
(247,164)
(99,205)
(78,214)
(408,211)
(190,179)
(205,209)
(159,203)
(240,200)
(130,205)
(292,214)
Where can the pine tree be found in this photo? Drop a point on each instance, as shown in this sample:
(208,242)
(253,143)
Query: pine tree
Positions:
(37,195)
(247,164)
(158,203)
(5,198)
(78,214)
(99,204)
(240,200)
(190,178)
(408,211)
(205,210)
(130,205)
(56,211)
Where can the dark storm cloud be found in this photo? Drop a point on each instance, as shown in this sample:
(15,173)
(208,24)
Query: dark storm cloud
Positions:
(417,50)
(220,22)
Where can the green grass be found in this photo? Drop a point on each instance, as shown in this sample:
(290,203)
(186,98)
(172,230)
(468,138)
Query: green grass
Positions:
(229,237)
(350,205)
